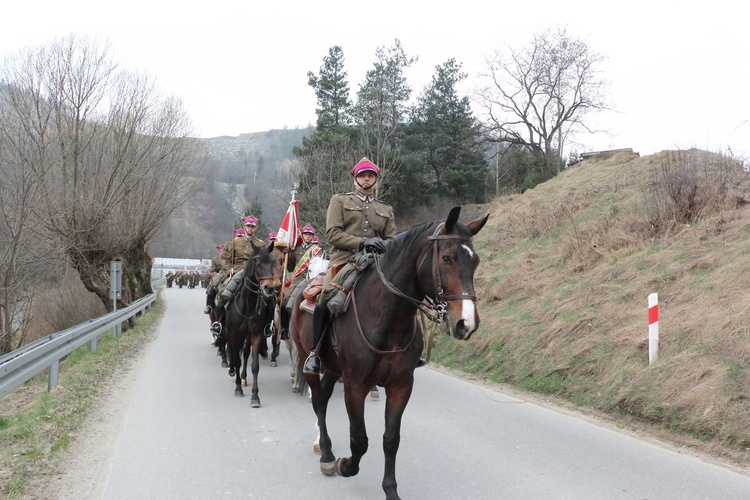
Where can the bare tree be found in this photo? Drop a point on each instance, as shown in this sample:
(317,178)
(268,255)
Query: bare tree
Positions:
(21,250)
(115,154)
(537,95)
(327,167)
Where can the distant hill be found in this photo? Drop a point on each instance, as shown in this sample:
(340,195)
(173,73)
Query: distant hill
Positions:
(565,272)
(239,169)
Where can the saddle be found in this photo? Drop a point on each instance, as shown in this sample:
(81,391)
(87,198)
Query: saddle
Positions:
(311,292)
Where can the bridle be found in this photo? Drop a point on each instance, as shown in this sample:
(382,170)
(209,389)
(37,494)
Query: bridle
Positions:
(435,309)
(439,304)
(252,283)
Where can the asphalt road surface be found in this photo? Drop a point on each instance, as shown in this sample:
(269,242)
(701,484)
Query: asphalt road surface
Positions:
(186,436)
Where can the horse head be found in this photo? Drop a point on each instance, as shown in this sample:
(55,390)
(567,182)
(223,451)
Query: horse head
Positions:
(454,262)
(267,271)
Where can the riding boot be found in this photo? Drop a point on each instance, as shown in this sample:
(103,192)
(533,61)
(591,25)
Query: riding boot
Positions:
(210,296)
(320,320)
(217,327)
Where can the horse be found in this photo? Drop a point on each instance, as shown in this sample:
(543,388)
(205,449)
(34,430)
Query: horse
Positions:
(248,314)
(378,339)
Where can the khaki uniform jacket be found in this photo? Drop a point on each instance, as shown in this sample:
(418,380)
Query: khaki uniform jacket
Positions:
(349,220)
(216,264)
(238,251)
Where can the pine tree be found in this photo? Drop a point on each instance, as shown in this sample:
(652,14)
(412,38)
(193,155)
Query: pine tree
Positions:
(444,156)
(381,109)
(332,90)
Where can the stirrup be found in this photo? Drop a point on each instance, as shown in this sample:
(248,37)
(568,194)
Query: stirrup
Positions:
(312,364)
(216,328)
(269,330)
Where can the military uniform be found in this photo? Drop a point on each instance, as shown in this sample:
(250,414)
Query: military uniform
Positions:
(351,218)
(236,252)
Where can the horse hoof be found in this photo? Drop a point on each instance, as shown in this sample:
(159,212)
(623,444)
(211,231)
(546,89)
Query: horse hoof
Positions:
(328,468)
(255,403)
(244,383)
(274,364)
(224,364)
(337,466)
(231,372)
(374,394)
(239,393)
(318,451)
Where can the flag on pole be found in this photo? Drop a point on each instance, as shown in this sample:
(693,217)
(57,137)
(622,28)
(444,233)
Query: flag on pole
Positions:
(288,235)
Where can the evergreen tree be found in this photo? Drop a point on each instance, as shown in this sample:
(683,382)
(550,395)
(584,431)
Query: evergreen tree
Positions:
(443,148)
(328,153)
(382,107)
(332,90)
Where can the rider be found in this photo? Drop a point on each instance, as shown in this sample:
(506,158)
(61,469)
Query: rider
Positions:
(355,221)
(212,285)
(233,257)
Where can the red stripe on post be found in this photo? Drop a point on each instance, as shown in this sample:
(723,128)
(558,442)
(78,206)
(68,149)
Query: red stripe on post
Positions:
(653,315)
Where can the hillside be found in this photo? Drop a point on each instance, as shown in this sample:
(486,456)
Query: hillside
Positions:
(239,169)
(563,284)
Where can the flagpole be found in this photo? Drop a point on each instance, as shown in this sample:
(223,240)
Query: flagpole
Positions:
(283,280)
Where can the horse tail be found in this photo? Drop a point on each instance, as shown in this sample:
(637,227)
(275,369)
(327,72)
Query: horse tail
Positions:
(299,376)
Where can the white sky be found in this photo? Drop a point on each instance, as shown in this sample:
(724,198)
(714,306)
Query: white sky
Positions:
(678,72)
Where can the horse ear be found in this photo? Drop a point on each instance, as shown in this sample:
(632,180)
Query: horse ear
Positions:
(270,247)
(452,219)
(476,225)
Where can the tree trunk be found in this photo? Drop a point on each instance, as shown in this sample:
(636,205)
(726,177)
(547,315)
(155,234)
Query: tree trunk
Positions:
(136,274)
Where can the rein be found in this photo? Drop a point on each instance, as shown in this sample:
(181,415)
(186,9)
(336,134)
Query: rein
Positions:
(428,305)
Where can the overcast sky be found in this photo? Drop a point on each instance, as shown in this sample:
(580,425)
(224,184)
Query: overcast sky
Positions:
(678,72)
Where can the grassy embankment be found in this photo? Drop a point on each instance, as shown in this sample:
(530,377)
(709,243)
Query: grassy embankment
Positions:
(37,426)
(563,284)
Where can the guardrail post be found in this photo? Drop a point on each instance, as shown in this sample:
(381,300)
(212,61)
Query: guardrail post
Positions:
(54,370)
(92,345)
(115,289)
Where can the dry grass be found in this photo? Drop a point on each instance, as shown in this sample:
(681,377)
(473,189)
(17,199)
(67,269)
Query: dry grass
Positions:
(566,271)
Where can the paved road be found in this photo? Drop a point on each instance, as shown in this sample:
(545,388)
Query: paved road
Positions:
(186,436)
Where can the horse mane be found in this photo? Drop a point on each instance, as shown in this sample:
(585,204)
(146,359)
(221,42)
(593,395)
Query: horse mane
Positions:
(264,255)
(406,239)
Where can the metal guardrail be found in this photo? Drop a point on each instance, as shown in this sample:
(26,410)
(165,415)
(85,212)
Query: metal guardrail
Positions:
(21,365)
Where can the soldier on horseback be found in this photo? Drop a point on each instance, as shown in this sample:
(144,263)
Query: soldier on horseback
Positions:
(233,257)
(355,221)
(214,271)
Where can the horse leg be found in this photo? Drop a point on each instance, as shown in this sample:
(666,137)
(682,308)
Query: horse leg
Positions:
(322,388)
(396,399)
(245,355)
(354,397)
(235,366)
(274,351)
(255,368)
(223,352)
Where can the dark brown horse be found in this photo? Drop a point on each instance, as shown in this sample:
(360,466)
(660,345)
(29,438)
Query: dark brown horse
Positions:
(378,340)
(248,314)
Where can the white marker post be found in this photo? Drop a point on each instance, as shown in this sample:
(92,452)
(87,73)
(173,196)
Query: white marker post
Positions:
(653,328)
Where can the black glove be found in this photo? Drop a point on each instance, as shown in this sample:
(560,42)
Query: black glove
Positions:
(374,244)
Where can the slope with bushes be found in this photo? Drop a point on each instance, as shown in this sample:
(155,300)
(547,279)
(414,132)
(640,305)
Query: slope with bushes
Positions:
(563,284)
